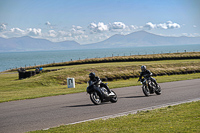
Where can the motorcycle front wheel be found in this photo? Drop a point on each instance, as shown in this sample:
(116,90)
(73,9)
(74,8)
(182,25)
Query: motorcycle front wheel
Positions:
(145,90)
(95,98)
(158,90)
(114,98)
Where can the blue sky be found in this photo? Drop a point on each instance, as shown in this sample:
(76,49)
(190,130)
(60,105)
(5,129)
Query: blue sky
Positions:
(89,21)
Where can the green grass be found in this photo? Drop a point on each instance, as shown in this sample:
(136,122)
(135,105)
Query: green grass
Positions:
(54,83)
(31,88)
(183,118)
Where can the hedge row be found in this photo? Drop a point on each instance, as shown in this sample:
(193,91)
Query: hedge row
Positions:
(153,57)
(156,57)
(154,74)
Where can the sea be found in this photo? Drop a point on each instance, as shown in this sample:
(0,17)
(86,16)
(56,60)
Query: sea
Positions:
(10,60)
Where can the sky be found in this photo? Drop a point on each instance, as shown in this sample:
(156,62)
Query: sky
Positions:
(91,21)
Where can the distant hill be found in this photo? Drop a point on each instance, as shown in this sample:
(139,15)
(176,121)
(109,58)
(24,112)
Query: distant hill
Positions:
(140,38)
(32,44)
(143,38)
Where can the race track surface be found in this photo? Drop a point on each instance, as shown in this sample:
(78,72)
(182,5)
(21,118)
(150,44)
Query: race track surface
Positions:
(42,113)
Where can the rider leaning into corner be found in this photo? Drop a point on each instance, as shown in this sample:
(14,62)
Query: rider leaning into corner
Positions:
(146,72)
(94,80)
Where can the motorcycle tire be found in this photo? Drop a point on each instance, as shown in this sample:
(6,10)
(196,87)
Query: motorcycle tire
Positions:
(95,98)
(145,91)
(114,99)
(158,90)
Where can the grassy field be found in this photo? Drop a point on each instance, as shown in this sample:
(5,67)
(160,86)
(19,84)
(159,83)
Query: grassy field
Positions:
(54,83)
(180,118)
(183,118)
(17,90)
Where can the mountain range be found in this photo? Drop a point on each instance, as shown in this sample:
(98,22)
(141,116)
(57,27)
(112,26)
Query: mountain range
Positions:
(139,38)
(27,43)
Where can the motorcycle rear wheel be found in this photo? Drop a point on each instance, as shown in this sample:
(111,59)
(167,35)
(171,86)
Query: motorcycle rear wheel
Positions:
(145,91)
(114,99)
(95,98)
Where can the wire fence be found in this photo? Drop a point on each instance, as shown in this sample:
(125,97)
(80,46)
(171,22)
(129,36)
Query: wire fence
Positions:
(114,54)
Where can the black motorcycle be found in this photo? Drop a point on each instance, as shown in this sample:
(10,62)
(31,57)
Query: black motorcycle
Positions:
(100,94)
(149,87)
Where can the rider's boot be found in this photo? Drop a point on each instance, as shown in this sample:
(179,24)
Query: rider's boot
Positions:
(111,94)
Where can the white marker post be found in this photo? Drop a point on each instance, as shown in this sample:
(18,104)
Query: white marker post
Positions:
(71,82)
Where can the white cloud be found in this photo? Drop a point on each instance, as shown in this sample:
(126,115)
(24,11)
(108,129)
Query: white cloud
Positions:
(191,34)
(162,26)
(14,32)
(64,34)
(95,32)
(17,31)
(2,27)
(117,25)
(97,28)
(114,27)
(52,33)
(76,30)
(76,27)
(150,26)
(133,27)
(34,32)
(47,23)
(76,33)
(92,26)
(167,25)
(102,27)
(172,25)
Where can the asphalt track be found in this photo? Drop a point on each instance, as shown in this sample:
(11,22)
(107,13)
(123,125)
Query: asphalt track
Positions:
(43,113)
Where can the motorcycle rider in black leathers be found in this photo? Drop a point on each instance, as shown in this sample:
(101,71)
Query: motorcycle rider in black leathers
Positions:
(148,73)
(94,80)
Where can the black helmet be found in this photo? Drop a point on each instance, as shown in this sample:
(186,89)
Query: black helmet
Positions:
(92,76)
(143,68)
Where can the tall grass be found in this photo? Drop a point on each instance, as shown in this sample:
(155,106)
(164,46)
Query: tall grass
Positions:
(122,70)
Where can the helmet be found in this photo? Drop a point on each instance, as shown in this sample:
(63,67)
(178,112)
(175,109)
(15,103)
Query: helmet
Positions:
(92,76)
(143,68)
